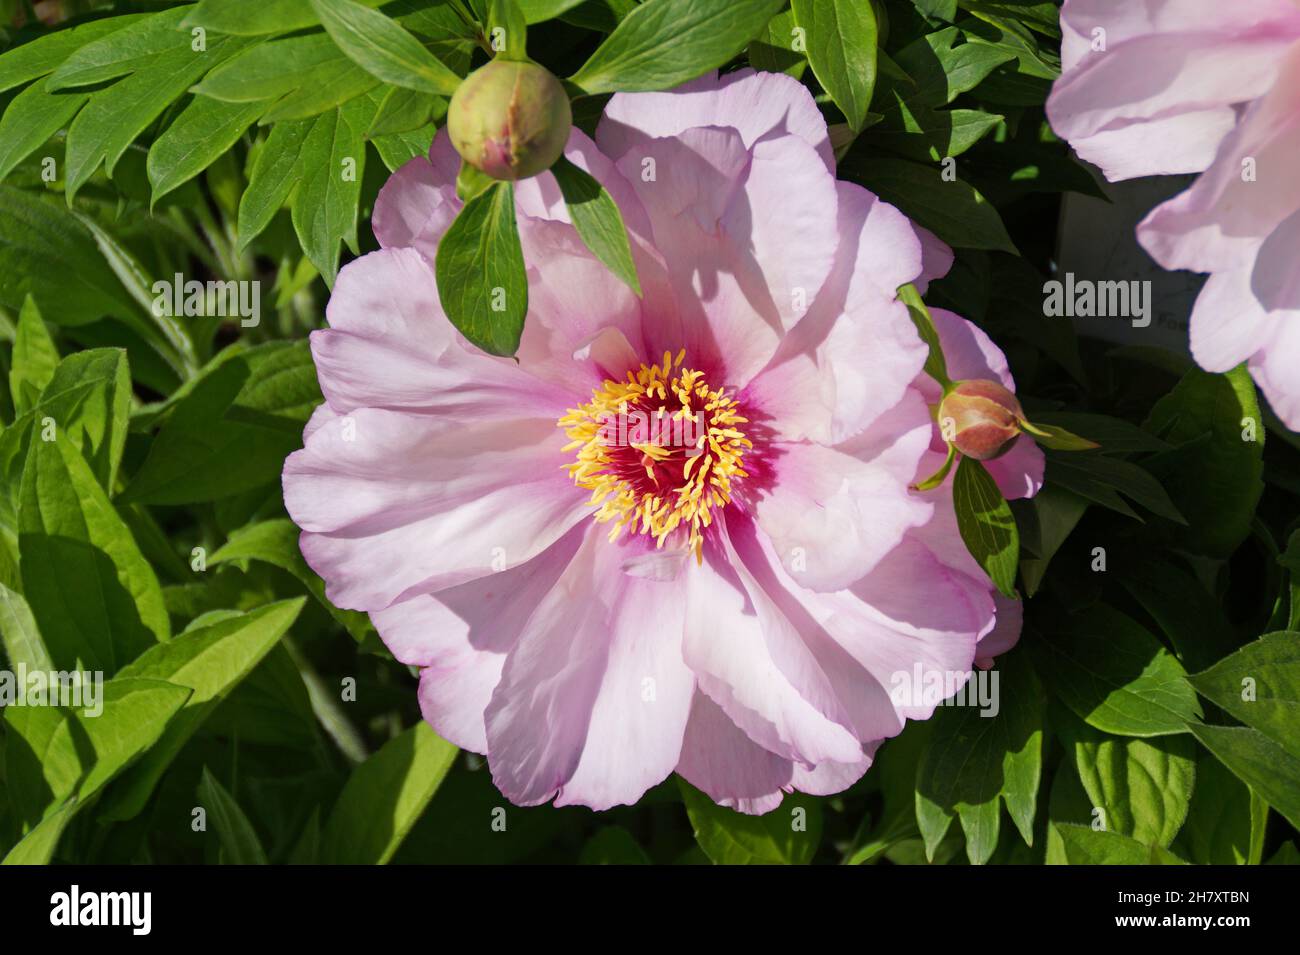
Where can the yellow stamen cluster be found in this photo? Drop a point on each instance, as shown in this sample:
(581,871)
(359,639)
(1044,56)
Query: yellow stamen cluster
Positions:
(681,485)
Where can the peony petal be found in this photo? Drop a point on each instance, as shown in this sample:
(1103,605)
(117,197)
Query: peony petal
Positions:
(1005,633)
(734,771)
(392,503)
(593,699)
(390,345)
(752,662)
(758,105)
(460,636)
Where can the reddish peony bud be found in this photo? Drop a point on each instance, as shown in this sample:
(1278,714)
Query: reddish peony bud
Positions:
(510,119)
(980,418)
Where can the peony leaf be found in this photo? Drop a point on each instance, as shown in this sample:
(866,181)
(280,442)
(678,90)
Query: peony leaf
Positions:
(732,838)
(841,44)
(986,524)
(480,272)
(1260,685)
(599,223)
(383,48)
(1086,846)
(1258,761)
(1115,675)
(666,42)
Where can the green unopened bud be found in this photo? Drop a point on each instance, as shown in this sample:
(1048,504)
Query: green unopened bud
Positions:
(510,119)
(980,418)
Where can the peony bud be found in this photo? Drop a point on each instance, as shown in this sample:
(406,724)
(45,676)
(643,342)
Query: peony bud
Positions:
(980,418)
(510,119)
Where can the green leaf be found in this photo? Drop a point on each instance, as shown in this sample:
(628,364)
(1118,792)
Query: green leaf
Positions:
(45,252)
(256,18)
(480,272)
(1213,475)
(1260,685)
(329,171)
(383,48)
(44,54)
(1112,435)
(1144,787)
(596,217)
(305,75)
(211,661)
(1257,760)
(122,51)
(233,430)
(276,542)
(938,70)
(841,40)
(1190,617)
(773,49)
(239,842)
(788,835)
(952,209)
(52,753)
(37,847)
(511,43)
(936,366)
(931,135)
(34,358)
(1051,436)
(665,42)
(986,524)
(384,797)
(274,174)
(1097,477)
(20,636)
(31,118)
(1085,846)
(403,111)
(1114,674)
(1225,825)
(86,401)
(110,122)
(93,595)
(204,130)
(976,761)
(1045,521)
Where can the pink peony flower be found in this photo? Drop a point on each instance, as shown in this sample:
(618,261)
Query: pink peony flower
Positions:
(1157,87)
(594,610)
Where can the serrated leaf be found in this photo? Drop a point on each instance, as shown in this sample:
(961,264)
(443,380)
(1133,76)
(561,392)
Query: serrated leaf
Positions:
(239,842)
(1114,674)
(732,838)
(986,524)
(596,217)
(665,42)
(211,661)
(480,272)
(384,797)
